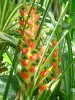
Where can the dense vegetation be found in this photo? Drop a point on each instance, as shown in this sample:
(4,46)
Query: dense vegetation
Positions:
(37,49)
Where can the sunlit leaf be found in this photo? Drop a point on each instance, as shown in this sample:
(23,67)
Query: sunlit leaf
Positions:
(6,58)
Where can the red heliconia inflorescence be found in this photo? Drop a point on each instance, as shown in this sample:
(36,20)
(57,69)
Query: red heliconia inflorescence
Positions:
(28,36)
(29,59)
(55,55)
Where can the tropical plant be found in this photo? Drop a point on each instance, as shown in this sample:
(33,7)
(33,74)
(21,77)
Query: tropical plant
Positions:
(37,51)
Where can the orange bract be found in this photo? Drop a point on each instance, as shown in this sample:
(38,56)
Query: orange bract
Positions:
(32,45)
(25,51)
(24,62)
(30,22)
(28,32)
(27,41)
(54,43)
(22,12)
(20,32)
(36,17)
(43,88)
(55,65)
(44,73)
(33,11)
(44,59)
(24,75)
(21,22)
(33,69)
(55,54)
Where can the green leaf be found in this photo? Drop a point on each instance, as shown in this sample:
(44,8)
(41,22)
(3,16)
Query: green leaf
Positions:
(64,1)
(14,64)
(72,13)
(6,58)
(72,94)
(6,38)
(72,6)
(11,15)
(12,93)
(2,87)
(72,22)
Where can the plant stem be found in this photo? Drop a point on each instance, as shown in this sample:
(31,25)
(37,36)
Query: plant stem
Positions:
(8,85)
(69,60)
(67,67)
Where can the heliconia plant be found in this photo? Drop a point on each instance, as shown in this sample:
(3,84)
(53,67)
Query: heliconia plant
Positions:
(37,50)
(31,53)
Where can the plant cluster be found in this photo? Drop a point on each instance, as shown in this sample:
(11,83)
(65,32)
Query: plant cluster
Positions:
(31,54)
(37,49)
